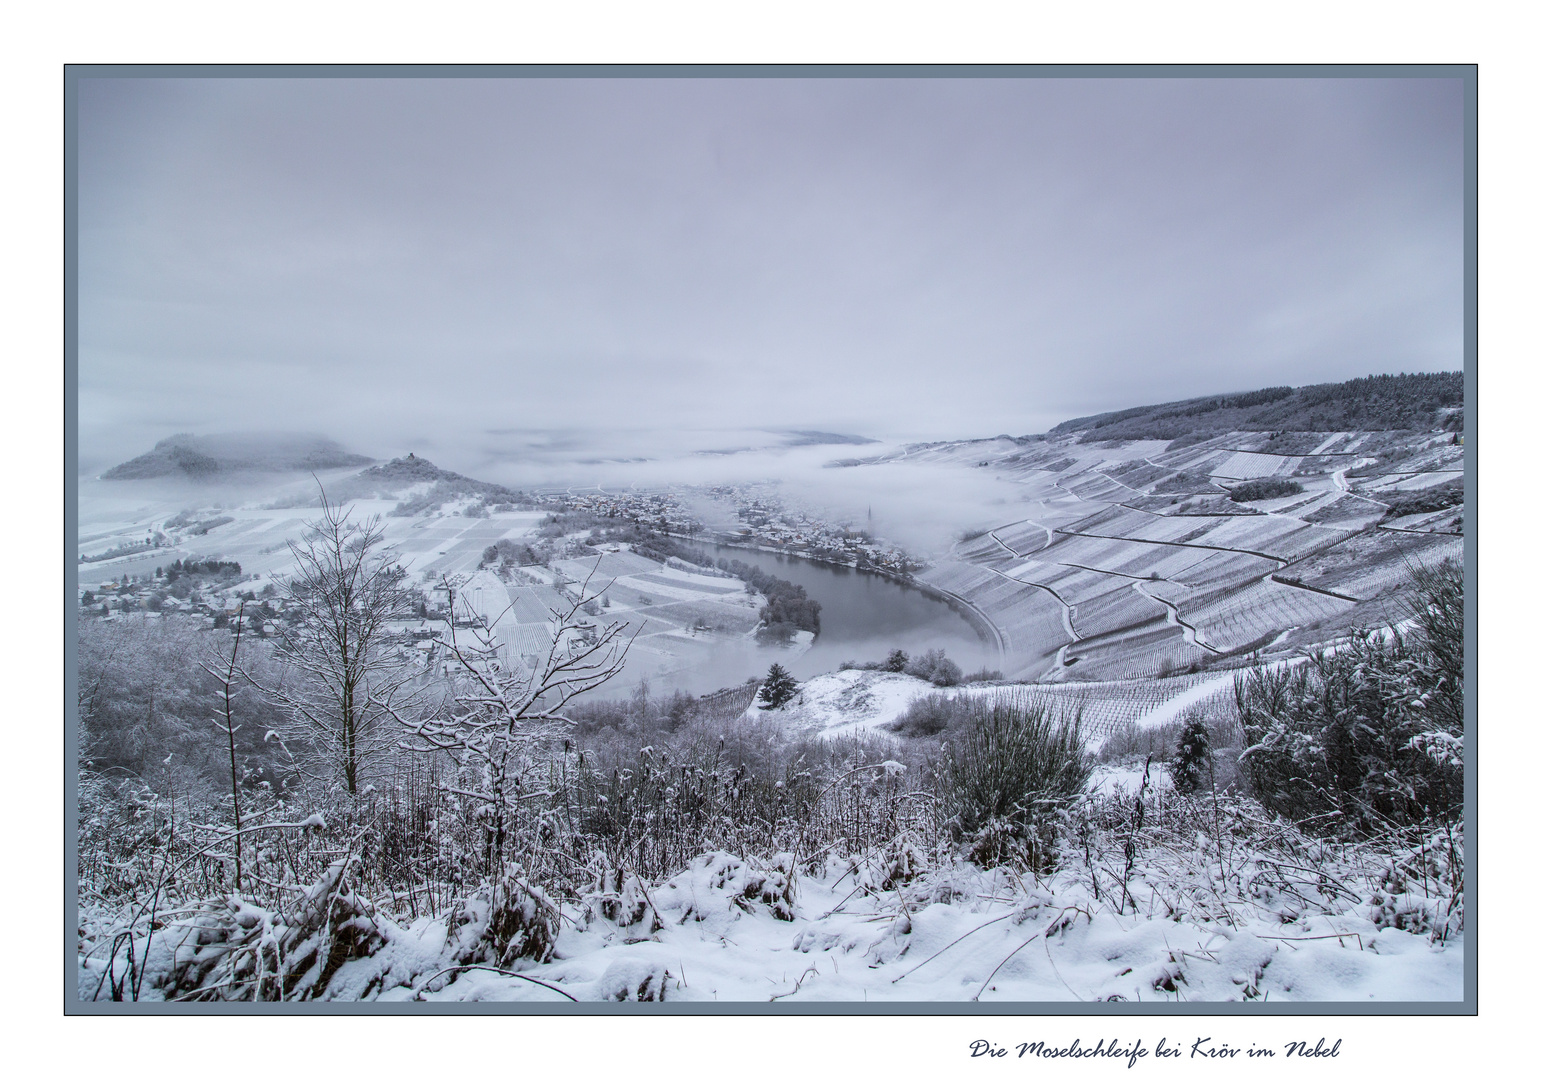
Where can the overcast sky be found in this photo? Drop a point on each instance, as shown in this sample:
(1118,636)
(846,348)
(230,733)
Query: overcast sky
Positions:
(389,260)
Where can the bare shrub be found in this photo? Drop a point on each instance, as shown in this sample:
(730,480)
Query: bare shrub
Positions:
(928,715)
(504,921)
(1368,733)
(1011,766)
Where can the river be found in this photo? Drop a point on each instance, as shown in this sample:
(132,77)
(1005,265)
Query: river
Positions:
(863,616)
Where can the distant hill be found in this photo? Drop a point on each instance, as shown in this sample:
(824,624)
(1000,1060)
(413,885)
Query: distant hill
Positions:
(825,438)
(210,457)
(404,472)
(422,486)
(1374,403)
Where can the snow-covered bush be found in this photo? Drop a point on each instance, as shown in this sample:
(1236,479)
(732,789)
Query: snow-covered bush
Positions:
(1191,764)
(745,786)
(226,949)
(1013,763)
(619,898)
(927,715)
(717,885)
(634,978)
(505,921)
(902,861)
(1368,733)
(935,667)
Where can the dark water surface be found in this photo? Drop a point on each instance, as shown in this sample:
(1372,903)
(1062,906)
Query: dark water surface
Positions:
(863,615)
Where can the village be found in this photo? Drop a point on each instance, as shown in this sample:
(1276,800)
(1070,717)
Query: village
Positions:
(767,521)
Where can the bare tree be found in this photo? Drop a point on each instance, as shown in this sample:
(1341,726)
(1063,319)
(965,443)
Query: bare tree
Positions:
(225,673)
(350,680)
(500,705)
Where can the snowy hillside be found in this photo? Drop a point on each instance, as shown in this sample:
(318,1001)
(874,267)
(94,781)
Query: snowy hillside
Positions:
(848,702)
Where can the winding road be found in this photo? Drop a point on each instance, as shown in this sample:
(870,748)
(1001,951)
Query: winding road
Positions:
(1191,633)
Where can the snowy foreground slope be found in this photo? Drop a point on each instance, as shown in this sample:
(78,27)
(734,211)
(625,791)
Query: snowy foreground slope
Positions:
(1147,895)
(885,929)
(967,936)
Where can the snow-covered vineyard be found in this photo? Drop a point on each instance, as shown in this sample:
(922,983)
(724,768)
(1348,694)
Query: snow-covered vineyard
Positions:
(1127,559)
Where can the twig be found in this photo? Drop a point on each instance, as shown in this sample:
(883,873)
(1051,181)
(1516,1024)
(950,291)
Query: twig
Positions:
(811,969)
(418,994)
(952,943)
(1310,937)
(1001,965)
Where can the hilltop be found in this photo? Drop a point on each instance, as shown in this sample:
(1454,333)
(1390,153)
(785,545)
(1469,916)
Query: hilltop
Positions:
(209,457)
(422,487)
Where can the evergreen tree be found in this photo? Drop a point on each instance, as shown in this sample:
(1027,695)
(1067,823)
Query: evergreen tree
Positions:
(778,689)
(1188,769)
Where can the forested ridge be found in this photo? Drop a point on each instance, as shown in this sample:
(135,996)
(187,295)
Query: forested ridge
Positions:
(1373,403)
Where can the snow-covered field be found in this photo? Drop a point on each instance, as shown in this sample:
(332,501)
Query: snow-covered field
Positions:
(848,702)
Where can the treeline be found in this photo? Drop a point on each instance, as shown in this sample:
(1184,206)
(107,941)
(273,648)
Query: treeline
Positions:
(492,496)
(1268,488)
(932,665)
(387,480)
(120,550)
(1375,403)
(651,545)
(1440,497)
(510,553)
(787,609)
(192,526)
(215,568)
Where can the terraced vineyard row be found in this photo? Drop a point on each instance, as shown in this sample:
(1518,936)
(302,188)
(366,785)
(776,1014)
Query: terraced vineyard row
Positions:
(1243,465)
(1025,537)
(1368,564)
(1257,612)
(1095,487)
(1104,707)
(1117,607)
(1030,620)
(1145,651)
(1140,518)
